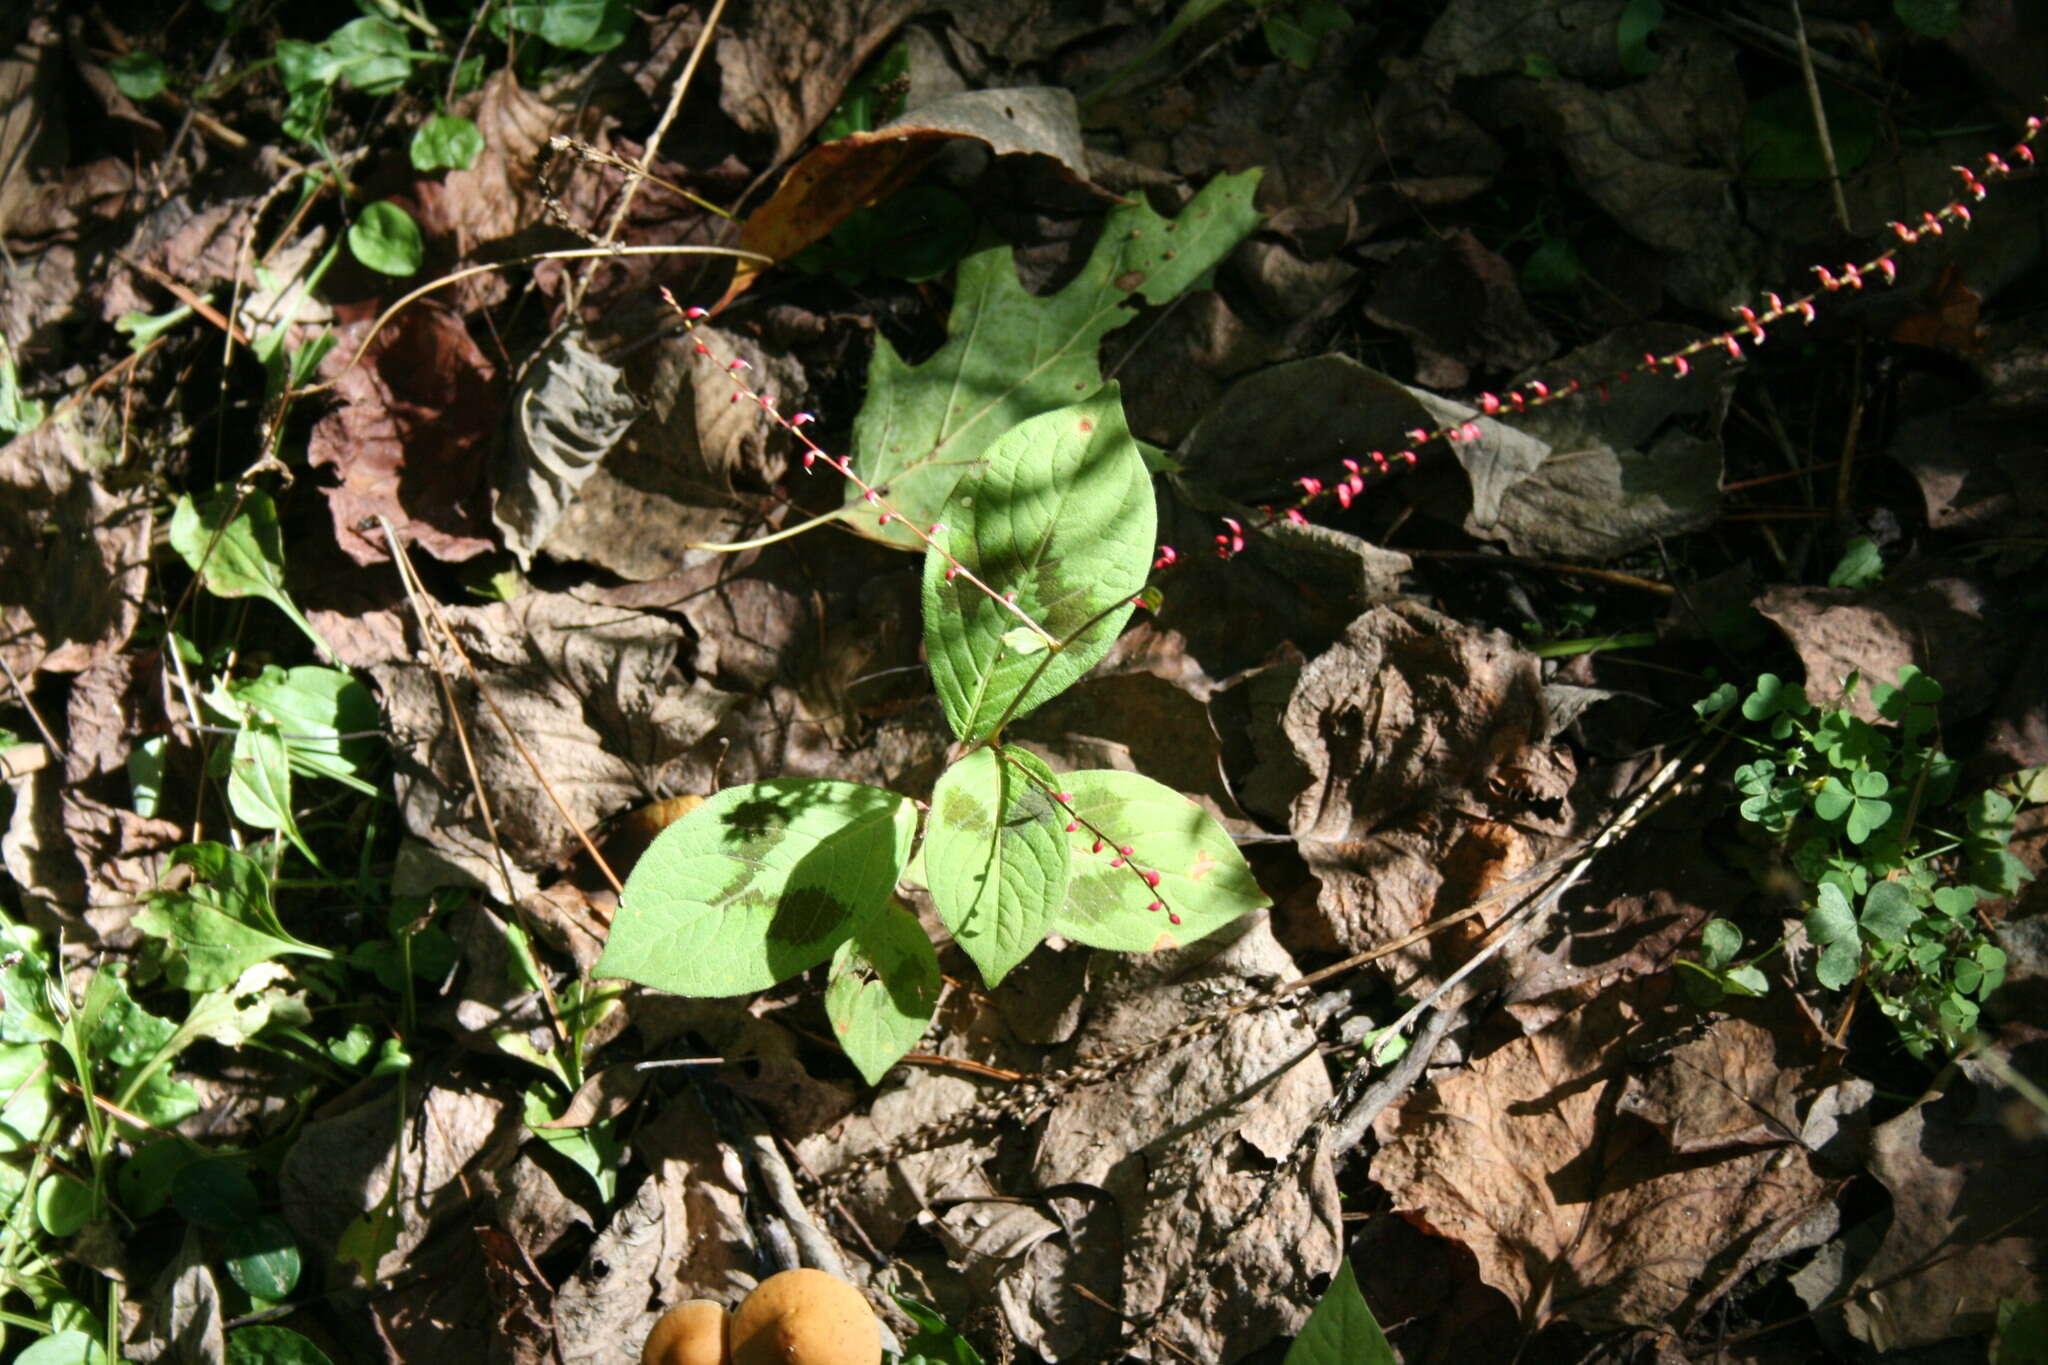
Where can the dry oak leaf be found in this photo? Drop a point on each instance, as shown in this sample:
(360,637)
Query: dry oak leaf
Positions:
(1571,1209)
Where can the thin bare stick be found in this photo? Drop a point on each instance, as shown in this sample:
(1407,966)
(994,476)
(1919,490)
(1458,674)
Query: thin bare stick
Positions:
(469,272)
(422,598)
(651,151)
(1820,115)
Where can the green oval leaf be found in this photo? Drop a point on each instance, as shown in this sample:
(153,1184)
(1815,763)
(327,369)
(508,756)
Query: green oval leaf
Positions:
(1063,517)
(139,75)
(1203,879)
(386,239)
(63,1204)
(446,143)
(757,884)
(885,985)
(233,542)
(995,857)
(263,1258)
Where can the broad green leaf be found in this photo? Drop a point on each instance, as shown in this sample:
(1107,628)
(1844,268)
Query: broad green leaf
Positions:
(573,25)
(1203,881)
(222,924)
(216,1194)
(1838,963)
(884,987)
(1341,1330)
(446,143)
(1720,941)
(1831,920)
(233,543)
(64,1348)
(145,1180)
(313,709)
(1061,516)
(385,238)
(139,75)
(1011,355)
(267,1344)
(995,857)
(1749,981)
(1861,565)
(757,884)
(1888,912)
(371,55)
(369,1238)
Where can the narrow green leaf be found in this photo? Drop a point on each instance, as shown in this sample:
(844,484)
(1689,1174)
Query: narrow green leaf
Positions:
(1203,879)
(1062,516)
(757,884)
(995,857)
(884,987)
(1341,1330)
(234,544)
(385,238)
(1011,355)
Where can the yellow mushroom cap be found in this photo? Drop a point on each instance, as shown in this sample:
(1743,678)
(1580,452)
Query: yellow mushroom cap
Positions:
(691,1333)
(805,1317)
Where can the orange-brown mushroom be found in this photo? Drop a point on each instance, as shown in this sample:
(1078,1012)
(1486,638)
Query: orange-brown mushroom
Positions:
(692,1333)
(805,1317)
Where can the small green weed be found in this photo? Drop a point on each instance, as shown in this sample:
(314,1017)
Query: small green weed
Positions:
(1895,859)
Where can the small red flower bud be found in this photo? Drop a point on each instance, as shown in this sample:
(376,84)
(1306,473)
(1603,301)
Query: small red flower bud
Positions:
(1116,862)
(1489,404)
(802,418)
(1073,826)
(1097,848)
(1156,905)
(693,312)
(1125,850)
(1890,269)
(1172,918)
(1151,879)
(1680,364)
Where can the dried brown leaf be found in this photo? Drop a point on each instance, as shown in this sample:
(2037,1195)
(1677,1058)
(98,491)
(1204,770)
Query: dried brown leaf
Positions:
(1571,1209)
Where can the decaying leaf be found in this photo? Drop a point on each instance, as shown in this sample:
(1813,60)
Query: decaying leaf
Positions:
(412,439)
(1969,1195)
(571,409)
(1574,1209)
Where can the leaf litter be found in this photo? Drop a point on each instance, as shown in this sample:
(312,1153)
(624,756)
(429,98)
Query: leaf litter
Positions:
(1402,708)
